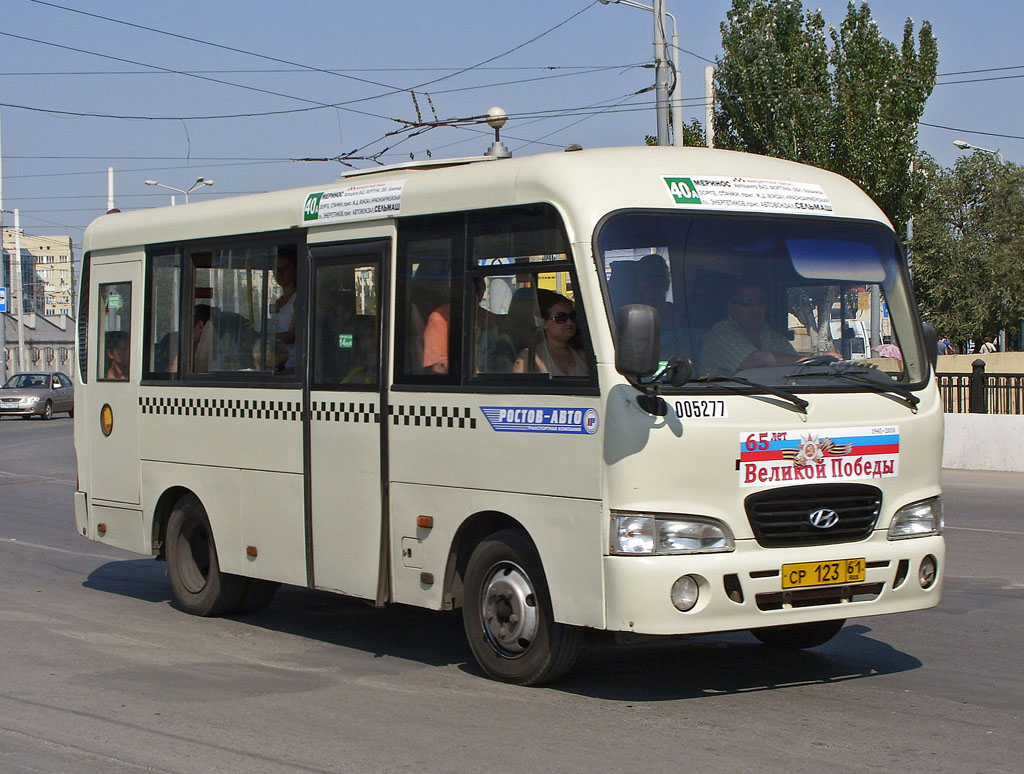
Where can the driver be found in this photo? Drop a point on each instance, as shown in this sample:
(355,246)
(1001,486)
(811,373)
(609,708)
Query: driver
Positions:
(742,340)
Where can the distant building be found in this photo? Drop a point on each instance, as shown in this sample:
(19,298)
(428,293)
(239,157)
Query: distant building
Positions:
(47,273)
(49,343)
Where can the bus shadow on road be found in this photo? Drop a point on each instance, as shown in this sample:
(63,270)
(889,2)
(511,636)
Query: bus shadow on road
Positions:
(401,632)
(713,665)
(144,579)
(659,670)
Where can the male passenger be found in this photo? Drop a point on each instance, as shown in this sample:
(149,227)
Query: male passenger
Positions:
(743,340)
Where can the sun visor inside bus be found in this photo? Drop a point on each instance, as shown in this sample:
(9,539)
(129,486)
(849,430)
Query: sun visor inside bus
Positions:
(836,259)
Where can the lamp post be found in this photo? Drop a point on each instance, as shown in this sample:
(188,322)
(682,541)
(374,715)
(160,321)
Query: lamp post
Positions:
(964,145)
(661,73)
(199,183)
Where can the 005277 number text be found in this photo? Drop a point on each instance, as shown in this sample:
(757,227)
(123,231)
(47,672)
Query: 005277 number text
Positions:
(698,408)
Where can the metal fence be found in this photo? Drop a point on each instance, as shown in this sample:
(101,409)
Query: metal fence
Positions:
(981,393)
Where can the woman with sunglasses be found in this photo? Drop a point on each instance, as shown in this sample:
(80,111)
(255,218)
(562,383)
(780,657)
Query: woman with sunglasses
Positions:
(554,355)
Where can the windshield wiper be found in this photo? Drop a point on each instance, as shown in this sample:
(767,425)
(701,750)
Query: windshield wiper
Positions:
(756,387)
(858,374)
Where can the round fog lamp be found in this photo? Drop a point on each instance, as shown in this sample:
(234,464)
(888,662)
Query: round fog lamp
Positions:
(927,572)
(684,593)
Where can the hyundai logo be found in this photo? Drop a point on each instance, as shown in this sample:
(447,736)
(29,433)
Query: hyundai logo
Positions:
(823,518)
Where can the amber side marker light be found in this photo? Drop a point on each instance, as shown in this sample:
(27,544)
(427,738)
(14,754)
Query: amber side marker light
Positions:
(106,419)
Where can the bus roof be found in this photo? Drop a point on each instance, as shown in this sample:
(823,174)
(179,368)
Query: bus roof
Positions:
(586,184)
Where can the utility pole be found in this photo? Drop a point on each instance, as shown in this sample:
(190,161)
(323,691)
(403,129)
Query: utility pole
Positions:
(709,105)
(21,290)
(661,73)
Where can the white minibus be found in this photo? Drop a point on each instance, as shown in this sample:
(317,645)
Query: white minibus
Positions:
(561,393)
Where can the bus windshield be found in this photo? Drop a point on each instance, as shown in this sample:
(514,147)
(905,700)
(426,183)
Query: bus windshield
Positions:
(794,302)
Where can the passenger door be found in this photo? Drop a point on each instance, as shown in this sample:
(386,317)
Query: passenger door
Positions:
(345,417)
(114,392)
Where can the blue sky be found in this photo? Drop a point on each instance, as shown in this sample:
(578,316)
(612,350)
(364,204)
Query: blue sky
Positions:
(575,83)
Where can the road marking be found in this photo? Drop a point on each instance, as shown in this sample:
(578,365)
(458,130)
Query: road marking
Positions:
(15,541)
(24,478)
(979,529)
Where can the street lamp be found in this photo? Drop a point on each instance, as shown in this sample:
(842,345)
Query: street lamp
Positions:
(199,183)
(964,145)
(660,82)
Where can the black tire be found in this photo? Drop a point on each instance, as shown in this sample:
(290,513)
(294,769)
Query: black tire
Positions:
(199,586)
(47,411)
(257,595)
(799,636)
(507,614)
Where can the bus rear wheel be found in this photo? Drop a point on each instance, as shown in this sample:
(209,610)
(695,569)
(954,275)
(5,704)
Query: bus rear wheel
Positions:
(199,586)
(799,636)
(507,614)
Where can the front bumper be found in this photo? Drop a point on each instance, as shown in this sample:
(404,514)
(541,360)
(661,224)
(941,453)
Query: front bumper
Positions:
(638,588)
(21,411)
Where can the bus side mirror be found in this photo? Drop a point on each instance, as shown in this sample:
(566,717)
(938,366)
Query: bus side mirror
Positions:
(637,340)
(931,344)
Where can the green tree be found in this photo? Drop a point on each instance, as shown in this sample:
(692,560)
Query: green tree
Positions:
(852,107)
(968,246)
(693,134)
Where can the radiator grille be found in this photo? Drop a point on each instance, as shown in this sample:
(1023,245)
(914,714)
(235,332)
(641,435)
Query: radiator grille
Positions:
(781,517)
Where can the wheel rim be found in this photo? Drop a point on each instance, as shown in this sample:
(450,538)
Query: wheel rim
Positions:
(509,610)
(193,557)
(47,411)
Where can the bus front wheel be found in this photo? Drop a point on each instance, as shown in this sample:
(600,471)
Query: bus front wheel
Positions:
(199,586)
(799,636)
(507,614)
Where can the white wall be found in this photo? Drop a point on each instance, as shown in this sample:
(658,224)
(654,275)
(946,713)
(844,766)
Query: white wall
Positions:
(984,442)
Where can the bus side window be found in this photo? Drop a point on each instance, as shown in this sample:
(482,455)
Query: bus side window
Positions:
(425,317)
(164,293)
(115,304)
(240,319)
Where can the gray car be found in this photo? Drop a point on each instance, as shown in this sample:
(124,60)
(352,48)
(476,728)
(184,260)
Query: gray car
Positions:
(44,393)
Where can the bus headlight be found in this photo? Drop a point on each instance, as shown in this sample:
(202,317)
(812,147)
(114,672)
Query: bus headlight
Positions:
(643,534)
(917,520)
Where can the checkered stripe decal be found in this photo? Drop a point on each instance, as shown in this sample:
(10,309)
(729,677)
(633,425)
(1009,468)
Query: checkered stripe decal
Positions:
(222,407)
(341,411)
(433,416)
(321,411)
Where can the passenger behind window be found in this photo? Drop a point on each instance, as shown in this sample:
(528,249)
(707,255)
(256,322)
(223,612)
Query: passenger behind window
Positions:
(364,347)
(493,350)
(652,286)
(202,339)
(116,352)
(428,292)
(165,354)
(555,354)
(742,340)
(286,275)
(335,321)
(435,340)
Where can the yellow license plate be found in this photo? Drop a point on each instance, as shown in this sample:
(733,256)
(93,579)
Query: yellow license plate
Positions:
(822,573)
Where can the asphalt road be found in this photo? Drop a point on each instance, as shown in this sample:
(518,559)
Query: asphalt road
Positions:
(100,673)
